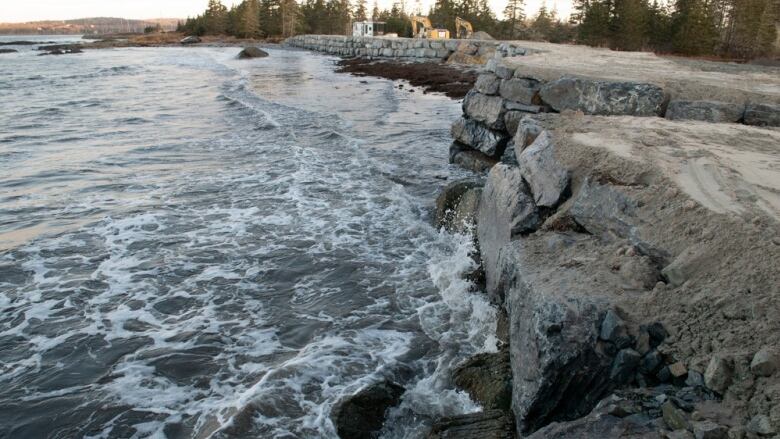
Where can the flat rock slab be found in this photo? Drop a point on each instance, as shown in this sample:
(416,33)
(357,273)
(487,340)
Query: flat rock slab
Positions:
(603,98)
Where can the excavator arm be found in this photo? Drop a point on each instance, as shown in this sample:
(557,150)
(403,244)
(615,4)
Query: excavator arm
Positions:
(422,21)
(463,28)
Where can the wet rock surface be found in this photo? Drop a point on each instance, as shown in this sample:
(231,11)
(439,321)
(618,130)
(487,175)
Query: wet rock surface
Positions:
(487,379)
(361,416)
(467,158)
(487,141)
(492,424)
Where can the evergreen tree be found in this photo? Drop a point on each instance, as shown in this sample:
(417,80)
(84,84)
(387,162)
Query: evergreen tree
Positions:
(249,19)
(216,18)
(629,24)
(375,12)
(514,15)
(693,29)
(361,12)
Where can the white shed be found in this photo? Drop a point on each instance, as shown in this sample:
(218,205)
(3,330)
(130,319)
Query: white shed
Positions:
(368,28)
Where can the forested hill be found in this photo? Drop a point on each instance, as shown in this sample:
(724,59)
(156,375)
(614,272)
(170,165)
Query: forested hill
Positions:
(95,25)
(736,29)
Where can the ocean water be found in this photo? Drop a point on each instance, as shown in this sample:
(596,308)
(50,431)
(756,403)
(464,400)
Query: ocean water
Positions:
(193,246)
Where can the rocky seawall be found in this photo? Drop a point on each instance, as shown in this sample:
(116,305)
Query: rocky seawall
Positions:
(630,236)
(467,51)
(636,305)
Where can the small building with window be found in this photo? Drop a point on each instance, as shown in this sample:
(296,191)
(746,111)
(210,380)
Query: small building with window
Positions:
(368,28)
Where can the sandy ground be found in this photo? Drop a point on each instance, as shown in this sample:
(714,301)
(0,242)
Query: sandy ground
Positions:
(727,168)
(708,197)
(682,77)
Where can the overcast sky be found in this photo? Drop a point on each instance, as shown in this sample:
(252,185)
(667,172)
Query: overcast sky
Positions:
(32,10)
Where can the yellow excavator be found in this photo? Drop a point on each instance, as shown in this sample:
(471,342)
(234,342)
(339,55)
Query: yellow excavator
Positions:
(463,28)
(426,29)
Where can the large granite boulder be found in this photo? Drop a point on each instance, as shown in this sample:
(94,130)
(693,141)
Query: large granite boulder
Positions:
(488,110)
(506,210)
(527,131)
(603,97)
(560,366)
(492,424)
(252,52)
(521,90)
(763,115)
(487,378)
(706,111)
(548,179)
(488,84)
(471,159)
(474,134)
(361,416)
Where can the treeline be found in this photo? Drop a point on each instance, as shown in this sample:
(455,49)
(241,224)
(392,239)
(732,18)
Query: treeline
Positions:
(730,28)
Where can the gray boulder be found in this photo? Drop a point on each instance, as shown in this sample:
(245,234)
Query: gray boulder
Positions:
(560,369)
(506,211)
(548,179)
(602,209)
(491,424)
(488,110)
(603,98)
(763,115)
(488,84)
(706,111)
(765,362)
(467,158)
(521,90)
(252,52)
(527,131)
(362,415)
(718,374)
(474,134)
(504,72)
(190,40)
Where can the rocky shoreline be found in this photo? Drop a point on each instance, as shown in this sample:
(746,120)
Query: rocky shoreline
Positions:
(634,257)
